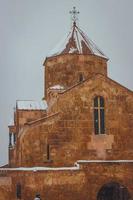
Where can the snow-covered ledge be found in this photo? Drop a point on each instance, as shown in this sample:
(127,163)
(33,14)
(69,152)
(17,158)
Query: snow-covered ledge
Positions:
(104,161)
(34,169)
(75,167)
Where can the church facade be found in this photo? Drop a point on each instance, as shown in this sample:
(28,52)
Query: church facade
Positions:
(77,143)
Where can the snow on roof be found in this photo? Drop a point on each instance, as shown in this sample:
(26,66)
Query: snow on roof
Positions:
(31,105)
(11,122)
(57,87)
(77,42)
(61,45)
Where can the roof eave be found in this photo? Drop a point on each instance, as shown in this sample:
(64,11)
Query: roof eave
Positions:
(57,55)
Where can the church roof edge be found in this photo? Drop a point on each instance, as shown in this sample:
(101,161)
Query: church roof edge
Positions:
(66,54)
(98,74)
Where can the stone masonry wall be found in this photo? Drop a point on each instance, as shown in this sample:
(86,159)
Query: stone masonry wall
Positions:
(65,70)
(70,132)
(84,183)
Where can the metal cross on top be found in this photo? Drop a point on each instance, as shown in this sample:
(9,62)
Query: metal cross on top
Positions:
(74,13)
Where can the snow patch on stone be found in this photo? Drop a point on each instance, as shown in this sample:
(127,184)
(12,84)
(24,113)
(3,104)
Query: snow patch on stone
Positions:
(72,50)
(57,87)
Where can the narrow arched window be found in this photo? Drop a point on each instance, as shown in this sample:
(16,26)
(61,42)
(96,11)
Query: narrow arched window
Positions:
(48,152)
(18,191)
(99,118)
(81,77)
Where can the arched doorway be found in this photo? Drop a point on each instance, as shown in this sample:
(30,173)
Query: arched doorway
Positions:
(113,191)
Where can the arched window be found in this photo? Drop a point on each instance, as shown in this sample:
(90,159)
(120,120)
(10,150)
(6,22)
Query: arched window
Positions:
(113,191)
(18,191)
(99,121)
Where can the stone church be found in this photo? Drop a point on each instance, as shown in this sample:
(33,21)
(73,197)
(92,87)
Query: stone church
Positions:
(76,143)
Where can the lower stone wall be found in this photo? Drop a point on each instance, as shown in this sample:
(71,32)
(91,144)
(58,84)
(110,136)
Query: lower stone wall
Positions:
(100,174)
(73,184)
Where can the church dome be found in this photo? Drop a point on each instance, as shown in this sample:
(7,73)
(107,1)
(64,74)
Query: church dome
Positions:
(77,42)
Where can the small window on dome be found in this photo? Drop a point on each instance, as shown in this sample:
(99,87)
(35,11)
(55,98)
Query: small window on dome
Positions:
(81,77)
(99,118)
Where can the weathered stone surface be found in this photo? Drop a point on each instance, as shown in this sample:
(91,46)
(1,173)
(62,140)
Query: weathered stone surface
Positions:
(70,132)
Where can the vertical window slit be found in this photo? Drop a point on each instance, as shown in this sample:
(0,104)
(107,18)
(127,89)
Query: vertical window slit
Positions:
(48,152)
(18,191)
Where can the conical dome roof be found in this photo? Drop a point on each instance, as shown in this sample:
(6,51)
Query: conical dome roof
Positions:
(77,42)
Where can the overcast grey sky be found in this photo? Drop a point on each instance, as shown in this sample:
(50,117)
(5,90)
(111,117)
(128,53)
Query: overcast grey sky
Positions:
(29,29)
